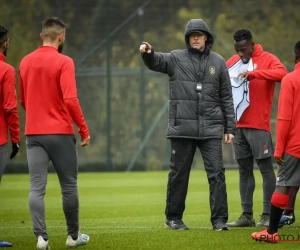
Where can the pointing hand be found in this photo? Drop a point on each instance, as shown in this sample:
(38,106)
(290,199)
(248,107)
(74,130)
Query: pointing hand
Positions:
(145,48)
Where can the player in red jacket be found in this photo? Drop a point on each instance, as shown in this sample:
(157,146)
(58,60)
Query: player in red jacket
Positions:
(49,96)
(9,119)
(287,151)
(253,74)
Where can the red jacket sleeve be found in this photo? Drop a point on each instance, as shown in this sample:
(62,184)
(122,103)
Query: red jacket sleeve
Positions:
(76,113)
(69,92)
(10,105)
(274,73)
(284,117)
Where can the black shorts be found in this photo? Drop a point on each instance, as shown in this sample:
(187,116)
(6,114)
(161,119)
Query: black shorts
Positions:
(252,142)
(289,174)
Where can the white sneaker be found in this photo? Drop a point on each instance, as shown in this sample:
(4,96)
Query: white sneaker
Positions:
(82,239)
(42,244)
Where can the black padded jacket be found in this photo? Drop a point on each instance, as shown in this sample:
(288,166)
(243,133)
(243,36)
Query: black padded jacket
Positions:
(200,96)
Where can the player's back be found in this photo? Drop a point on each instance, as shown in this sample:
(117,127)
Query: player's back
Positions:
(41,91)
(7,77)
(289,104)
(293,79)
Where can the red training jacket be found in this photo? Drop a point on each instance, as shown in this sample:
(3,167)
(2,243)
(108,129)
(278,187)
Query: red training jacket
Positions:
(288,117)
(9,118)
(48,93)
(267,71)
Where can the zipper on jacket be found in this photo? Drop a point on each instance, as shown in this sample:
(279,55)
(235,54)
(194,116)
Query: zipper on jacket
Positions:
(175,111)
(199,87)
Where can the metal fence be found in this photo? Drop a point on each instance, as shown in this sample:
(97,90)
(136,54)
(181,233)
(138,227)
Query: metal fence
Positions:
(124,103)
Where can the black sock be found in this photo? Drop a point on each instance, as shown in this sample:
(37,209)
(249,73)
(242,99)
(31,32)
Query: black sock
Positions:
(288,212)
(275,216)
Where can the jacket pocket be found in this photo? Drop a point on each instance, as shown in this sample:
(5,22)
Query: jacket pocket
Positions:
(172,112)
(74,139)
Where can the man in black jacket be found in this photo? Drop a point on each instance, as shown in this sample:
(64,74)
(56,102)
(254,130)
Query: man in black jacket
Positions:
(200,112)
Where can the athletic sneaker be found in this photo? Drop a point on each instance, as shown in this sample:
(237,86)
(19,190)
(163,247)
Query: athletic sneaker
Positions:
(220,226)
(265,236)
(244,221)
(82,239)
(287,219)
(264,220)
(5,244)
(42,244)
(176,225)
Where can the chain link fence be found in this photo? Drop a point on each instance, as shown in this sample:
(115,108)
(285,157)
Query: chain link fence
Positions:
(123,102)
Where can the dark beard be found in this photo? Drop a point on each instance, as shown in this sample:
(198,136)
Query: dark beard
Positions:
(60,48)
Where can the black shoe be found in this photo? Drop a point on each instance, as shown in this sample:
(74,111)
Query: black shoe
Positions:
(220,226)
(176,225)
(264,221)
(243,221)
(287,219)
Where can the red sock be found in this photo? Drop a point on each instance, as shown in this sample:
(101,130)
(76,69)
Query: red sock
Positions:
(280,200)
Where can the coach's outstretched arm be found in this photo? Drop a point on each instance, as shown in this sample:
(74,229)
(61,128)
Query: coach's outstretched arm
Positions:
(156,61)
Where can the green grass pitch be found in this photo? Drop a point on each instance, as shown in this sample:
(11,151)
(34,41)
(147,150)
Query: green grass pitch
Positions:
(126,211)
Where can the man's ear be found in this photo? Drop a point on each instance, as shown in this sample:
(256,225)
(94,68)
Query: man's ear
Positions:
(41,36)
(61,38)
(5,45)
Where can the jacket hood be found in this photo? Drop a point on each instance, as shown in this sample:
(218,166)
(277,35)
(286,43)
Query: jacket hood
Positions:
(195,25)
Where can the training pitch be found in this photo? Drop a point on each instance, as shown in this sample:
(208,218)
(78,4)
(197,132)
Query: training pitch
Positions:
(126,211)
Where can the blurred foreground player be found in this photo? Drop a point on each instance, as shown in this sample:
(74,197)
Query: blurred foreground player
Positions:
(287,151)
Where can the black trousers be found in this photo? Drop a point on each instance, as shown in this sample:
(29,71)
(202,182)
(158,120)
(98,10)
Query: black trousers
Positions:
(182,155)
